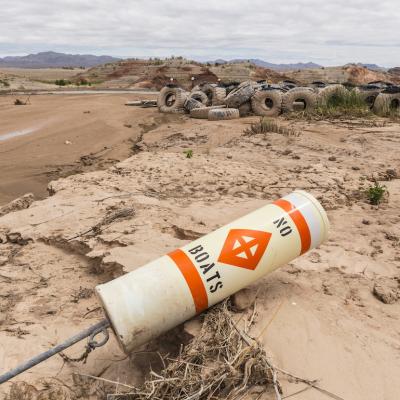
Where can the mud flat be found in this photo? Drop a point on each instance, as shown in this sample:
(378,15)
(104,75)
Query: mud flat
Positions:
(331,315)
(59,135)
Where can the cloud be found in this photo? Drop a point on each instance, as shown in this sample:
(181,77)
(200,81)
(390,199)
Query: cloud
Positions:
(294,30)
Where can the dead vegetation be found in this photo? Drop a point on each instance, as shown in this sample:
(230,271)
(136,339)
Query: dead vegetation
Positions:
(267,125)
(222,362)
(107,220)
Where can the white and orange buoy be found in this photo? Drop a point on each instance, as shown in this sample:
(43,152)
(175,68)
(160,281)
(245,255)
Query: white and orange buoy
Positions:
(149,301)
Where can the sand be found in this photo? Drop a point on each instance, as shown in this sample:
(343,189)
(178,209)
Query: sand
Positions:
(58,135)
(317,317)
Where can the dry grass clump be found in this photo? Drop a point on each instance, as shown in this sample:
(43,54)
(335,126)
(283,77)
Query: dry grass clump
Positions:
(267,125)
(343,104)
(222,362)
(346,103)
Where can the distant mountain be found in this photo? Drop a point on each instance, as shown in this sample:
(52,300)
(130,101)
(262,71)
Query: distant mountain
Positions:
(265,64)
(51,59)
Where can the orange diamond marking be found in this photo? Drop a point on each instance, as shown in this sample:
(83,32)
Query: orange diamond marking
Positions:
(244,248)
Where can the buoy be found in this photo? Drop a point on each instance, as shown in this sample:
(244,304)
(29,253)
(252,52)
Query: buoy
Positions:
(160,295)
(155,298)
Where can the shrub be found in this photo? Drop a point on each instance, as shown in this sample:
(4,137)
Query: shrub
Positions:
(189,153)
(376,193)
(62,82)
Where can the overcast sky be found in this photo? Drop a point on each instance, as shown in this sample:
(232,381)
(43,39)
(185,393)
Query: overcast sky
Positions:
(325,32)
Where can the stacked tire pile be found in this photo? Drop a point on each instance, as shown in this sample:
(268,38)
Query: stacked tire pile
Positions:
(217,102)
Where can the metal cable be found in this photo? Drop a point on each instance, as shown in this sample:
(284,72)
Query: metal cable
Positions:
(89,332)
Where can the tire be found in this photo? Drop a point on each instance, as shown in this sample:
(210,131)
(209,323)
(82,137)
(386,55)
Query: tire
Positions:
(387,104)
(202,113)
(191,104)
(296,95)
(208,90)
(267,103)
(245,110)
(219,94)
(328,92)
(240,95)
(199,96)
(369,96)
(171,99)
(223,114)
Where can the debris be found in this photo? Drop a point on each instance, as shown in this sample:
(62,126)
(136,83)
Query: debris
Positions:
(18,204)
(222,361)
(142,103)
(264,99)
(108,219)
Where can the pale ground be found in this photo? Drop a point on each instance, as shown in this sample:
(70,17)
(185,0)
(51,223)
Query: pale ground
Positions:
(45,74)
(100,128)
(34,78)
(317,317)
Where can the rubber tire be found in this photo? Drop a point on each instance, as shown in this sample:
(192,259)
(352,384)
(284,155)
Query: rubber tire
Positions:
(327,92)
(191,104)
(223,114)
(199,96)
(180,98)
(202,113)
(383,102)
(306,95)
(240,95)
(218,97)
(369,96)
(260,108)
(208,90)
(245,110)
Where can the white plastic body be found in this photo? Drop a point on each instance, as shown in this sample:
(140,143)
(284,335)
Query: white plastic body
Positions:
(155,298)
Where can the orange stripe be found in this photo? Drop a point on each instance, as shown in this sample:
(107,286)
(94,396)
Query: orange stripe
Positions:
(192,278)
(299,221)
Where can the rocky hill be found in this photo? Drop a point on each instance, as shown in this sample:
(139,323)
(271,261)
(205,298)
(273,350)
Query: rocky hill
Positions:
(155,73)
(351,74)
(51,59)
